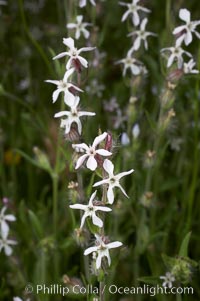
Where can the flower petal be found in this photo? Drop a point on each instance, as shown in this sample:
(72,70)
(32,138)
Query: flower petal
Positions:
(4,228)
(92,198)
(188,38)
(90,250)
(143,24)
(62,54)
(91,163)
(80,161)
(102,208)
(68,73)
(83,220)
(184,15)
(81,145)
(97,221)
(83,61)
(78,206)
(99,139)
(125,173)
(110,195)
(122,189)
(61,114)
(106,181)
(114,244)
(98,261)
(103,152)
(69,42)
(137,43)
(109,167)
(8,250)
(56,94)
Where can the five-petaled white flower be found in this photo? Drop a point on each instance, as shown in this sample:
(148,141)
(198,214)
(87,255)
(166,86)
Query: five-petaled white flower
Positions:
(130,62)
(64,86)
(184,32)
(168,279)
(90,211)
(73,116)
(5,243)
(102,249)
(4,219)
(113,180)
(83,3)
(80,27)
(188,67)
(141,35)
(91,152)
(74,54)
(176,54)
(133,9)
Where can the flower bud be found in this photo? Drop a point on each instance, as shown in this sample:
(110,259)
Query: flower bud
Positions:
(136,131)
(125,139)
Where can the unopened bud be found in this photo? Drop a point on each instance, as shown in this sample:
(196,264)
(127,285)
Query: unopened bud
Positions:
(77,65)
(108,142)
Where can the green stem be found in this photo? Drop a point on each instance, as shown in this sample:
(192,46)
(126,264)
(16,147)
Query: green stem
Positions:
(101,286)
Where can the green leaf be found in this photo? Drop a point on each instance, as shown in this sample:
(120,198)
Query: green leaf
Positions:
(152,123)
(25,156)
(149,279)
(169,262)
(184,246)
(36,224)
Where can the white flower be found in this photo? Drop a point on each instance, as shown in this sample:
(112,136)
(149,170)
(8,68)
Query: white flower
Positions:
(90,211)
(185,31)
(95,88)
(80,27)
(141,35)
(83,3)
(73,116)
(91,152)
(73,53)
(5,243)
(64,86)
(125,140)
(132,63)
(133,9)
(112,180)
(168,279)
(188,67)
(4,219)
(176,54)
(102,250)
(136,131)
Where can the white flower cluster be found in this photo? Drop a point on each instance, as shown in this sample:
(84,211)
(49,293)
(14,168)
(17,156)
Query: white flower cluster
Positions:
(140,36)
(6,243)
(93,155)
(183,35)
(71,99)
